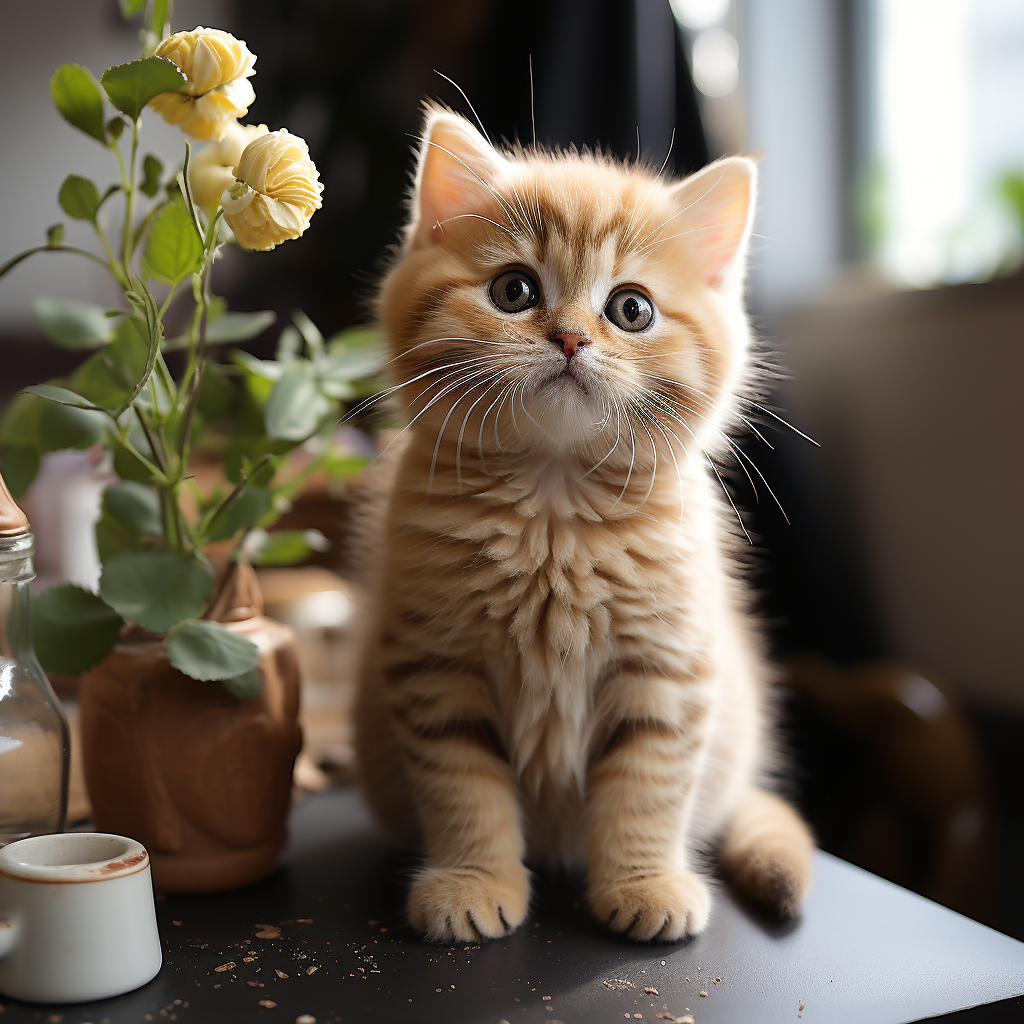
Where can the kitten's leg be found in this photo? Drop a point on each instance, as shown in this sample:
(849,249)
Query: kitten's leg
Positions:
(474,884)
(767,850)
(380,767)
(640,793)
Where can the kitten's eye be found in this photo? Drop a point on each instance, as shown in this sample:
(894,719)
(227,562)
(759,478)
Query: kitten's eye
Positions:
(514,291)
(630,310)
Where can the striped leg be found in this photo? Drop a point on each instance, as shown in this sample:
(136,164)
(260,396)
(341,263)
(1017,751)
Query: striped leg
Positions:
(474,884)
(639,798)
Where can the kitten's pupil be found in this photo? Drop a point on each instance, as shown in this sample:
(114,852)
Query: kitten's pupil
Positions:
(514,290)
(631,309)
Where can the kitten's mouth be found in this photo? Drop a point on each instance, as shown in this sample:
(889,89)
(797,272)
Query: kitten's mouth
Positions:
(568,377)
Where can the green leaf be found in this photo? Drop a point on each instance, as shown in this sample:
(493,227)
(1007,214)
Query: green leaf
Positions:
(215,393)
(310,333)
(261,473)
(289,343)
(109,377)
(265,368)
(208,651)
(72,629)
(129,8)
(142,298)
(152,168)
(78,99)
(63,426)
(20,464)
(21,421)
(296,406)
(353,356)
(156,588)
(131,86)
(59,395)
(283,547)
(228,327)
(79,198)
(128,466)
(244,512)
(246,686)
(135,506)
(111,189)
(343,467)
(116,126)
(54,235)
(112,536)
(172,250)
(71,324)
(239,326)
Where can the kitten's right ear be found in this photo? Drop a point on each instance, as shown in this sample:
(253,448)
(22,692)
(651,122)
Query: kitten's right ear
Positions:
(455,174)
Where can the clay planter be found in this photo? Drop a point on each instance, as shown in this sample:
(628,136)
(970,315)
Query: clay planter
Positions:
(199,777)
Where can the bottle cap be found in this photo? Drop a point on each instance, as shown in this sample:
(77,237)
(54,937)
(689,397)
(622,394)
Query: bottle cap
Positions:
(12,520)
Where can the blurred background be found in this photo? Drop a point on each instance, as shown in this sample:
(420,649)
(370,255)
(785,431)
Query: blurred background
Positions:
(884,285)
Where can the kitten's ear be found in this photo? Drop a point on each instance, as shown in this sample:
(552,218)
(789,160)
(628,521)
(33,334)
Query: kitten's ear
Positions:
(456,170)
(716,209)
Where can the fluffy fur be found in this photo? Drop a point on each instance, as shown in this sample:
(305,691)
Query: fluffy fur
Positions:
(563,670)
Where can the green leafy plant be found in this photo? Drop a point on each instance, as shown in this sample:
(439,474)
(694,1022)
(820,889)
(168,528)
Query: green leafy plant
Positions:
(157,527)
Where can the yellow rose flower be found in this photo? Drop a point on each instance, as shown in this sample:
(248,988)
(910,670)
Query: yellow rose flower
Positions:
(212,169)
(217,66)
(275,194)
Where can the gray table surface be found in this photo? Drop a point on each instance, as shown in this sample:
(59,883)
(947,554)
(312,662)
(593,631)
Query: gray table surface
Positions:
(864,952)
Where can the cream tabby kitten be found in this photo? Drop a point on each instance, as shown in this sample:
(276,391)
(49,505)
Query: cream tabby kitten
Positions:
(563,669)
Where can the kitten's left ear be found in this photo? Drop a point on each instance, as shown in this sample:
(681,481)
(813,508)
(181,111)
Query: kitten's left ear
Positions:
(716,210)
(456,174)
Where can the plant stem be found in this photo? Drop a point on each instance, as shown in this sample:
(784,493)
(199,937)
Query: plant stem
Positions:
(166,302)
(153,447)
(236,493)
(15,260)
(198,362)
(111,259)
(129,213)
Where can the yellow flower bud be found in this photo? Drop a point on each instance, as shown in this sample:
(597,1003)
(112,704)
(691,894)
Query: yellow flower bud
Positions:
(276,192)
(212,169)
(217,66)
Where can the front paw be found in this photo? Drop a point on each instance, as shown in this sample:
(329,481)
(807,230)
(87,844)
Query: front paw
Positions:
(662,907)
(468,904)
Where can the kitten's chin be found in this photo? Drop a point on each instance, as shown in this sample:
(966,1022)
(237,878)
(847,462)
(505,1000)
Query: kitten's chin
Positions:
(568,413)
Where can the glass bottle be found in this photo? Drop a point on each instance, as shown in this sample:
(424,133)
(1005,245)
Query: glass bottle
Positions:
(34,741)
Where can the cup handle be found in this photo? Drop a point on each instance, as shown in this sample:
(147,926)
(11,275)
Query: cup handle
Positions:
(8,936)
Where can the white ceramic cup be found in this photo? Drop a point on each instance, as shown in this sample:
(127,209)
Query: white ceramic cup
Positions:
(77,918)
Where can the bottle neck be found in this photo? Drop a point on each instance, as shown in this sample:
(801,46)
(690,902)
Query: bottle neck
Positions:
(16,572)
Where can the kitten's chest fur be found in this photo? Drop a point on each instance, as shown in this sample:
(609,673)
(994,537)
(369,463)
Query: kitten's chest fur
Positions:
(550,593)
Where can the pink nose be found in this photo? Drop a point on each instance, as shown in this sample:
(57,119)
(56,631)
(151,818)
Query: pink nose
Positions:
(571,343)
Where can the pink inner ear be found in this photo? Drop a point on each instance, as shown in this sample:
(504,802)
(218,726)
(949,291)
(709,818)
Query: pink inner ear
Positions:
(717,204)
(456,170)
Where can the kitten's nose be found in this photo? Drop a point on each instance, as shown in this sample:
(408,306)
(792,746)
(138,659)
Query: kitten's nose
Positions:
(570,343)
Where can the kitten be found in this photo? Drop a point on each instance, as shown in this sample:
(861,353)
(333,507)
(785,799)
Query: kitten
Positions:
(563,669)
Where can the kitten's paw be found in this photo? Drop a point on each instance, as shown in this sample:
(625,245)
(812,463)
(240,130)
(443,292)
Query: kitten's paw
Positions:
(664,907)
(467,904)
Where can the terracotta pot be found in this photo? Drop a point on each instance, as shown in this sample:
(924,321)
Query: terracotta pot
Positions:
(199,777)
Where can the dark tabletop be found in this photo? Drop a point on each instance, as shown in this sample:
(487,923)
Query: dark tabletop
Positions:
(324,937)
